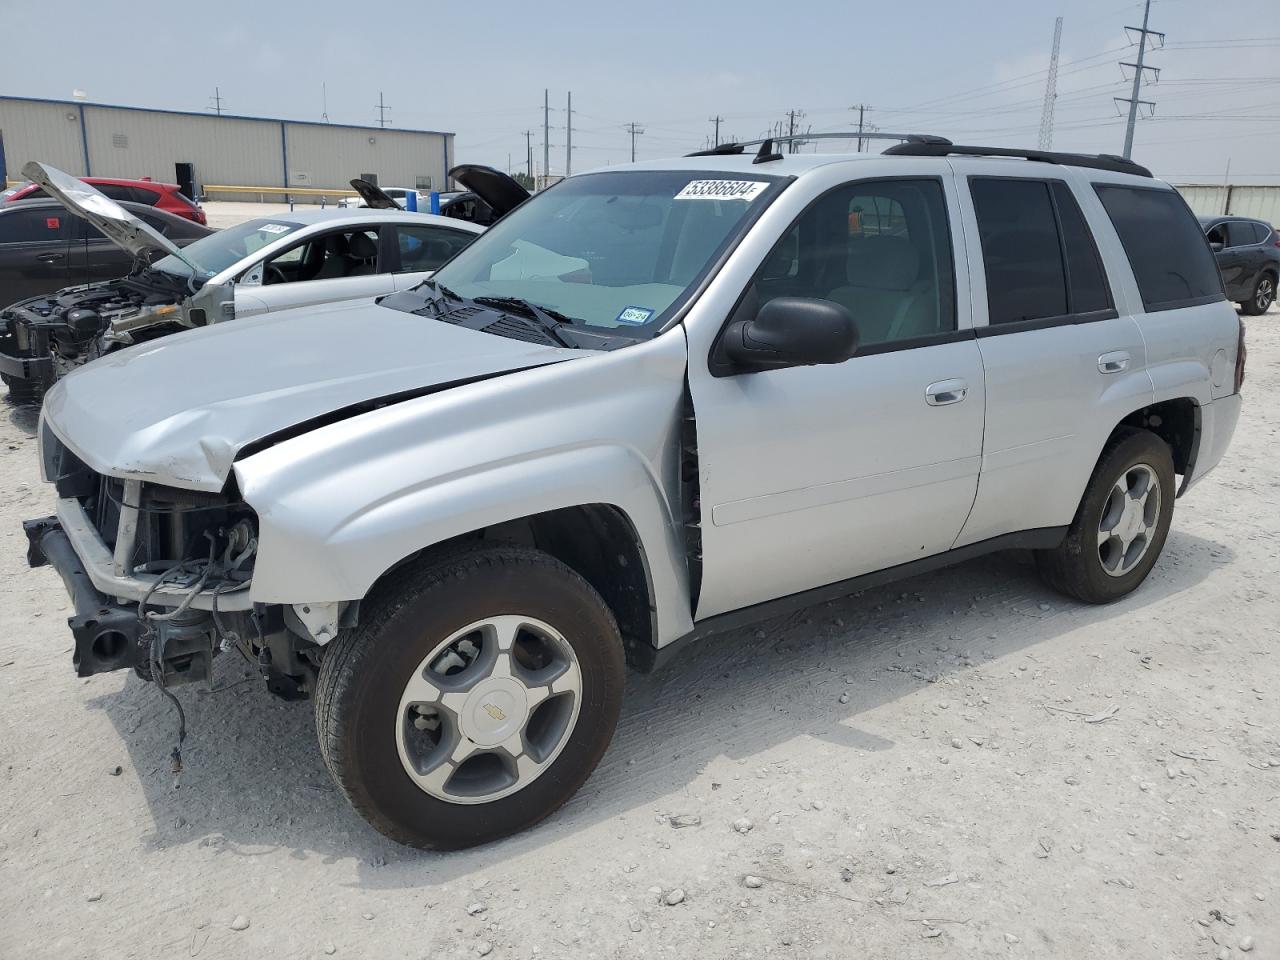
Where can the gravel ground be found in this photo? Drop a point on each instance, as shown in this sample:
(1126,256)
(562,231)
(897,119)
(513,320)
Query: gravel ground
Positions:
(963,764)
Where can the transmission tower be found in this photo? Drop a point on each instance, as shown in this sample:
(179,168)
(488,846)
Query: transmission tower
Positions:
(1050,91)
(215,102)
(1139,71)
(382,109)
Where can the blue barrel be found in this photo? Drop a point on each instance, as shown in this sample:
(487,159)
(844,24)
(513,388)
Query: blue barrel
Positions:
(435,201)
(411,200)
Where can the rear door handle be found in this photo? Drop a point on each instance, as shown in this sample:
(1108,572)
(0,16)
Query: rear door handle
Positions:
(945,391)
(50,257)
(1115,362)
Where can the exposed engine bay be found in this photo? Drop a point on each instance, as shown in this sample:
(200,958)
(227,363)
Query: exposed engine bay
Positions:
(58,332)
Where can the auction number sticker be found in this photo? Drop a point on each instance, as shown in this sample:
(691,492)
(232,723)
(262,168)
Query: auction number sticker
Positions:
(273,228)
(722,190)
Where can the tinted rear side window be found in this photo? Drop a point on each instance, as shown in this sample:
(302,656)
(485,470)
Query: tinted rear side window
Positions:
(1170,258)
(1086,283)
(1020,250)
(1240,234)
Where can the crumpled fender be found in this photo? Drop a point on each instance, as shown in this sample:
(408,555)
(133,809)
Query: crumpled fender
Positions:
(341,505)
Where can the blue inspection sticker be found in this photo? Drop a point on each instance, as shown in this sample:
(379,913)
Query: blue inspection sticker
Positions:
(634,315)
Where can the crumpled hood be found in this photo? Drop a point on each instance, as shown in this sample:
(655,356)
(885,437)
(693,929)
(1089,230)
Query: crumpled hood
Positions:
(178,410)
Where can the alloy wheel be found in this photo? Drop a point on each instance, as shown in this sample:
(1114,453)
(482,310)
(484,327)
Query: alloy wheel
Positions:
(1129,520)
(489,709)
(1265,294)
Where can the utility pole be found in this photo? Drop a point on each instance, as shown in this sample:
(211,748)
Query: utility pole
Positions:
(217,101)
(634,129)
(568,135)
(382,109)
(1050,90)
(528,146)
(546,133)
(1133,100)
(862,109)
(324,99)
(717,120)
(792,117)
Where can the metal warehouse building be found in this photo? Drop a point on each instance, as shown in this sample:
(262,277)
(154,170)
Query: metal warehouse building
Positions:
(306,158)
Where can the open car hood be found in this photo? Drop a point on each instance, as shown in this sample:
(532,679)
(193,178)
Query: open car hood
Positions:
(494,187)
(373,198)
(119,226)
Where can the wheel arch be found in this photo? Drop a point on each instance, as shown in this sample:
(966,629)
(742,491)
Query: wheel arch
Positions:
(1176,421)
(599,542)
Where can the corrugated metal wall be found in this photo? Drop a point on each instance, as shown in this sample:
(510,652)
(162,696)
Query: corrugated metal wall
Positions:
(238,151)
(329,156)
(1211,200)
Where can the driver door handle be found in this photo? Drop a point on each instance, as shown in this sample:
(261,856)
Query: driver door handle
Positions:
(50,257)
(945,391)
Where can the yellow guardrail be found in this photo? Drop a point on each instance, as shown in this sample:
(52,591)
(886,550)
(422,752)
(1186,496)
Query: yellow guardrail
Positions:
(211,189)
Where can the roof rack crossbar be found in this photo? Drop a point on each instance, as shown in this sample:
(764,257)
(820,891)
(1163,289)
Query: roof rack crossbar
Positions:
(739,146)
(1101,161)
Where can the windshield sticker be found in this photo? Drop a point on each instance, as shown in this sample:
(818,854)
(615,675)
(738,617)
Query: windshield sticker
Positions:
(273,228)
(722,190)
(634,315)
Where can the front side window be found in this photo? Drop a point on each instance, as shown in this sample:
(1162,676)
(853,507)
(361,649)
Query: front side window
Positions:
(329,256)
(425,248)
(881,249)
(620,251)
(1170,259)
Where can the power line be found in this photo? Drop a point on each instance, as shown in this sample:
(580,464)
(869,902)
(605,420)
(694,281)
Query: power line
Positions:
(1134,99)
(1050,90)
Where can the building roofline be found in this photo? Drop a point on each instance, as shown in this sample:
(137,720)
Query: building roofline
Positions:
(225,116)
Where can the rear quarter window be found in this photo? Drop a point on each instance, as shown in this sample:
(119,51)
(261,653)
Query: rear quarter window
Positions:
(1170,258)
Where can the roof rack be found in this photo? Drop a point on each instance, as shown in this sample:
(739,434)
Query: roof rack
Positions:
(1101,161)
(766,152)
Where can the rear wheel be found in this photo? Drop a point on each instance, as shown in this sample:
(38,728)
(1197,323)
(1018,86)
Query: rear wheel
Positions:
(476,696)
(1264,294)
(1121,524)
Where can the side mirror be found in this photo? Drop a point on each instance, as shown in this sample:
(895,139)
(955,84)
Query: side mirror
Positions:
(791,332)
(1216,246)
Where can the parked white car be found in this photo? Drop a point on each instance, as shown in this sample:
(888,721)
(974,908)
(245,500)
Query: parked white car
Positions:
(652,403)
(300,258)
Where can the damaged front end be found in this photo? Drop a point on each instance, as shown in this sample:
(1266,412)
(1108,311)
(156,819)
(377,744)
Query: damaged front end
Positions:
(159,579)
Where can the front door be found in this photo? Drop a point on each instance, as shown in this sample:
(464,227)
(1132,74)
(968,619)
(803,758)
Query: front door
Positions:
(812,475)
(33,251)
(342,264)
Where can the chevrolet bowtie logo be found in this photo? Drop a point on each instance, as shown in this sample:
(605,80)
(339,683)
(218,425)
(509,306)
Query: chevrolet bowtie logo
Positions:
(494,712)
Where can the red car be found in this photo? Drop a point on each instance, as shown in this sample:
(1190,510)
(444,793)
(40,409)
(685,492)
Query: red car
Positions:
(162,196)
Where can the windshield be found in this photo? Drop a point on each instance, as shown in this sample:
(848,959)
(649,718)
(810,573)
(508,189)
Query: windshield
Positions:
(617,250)
(216,252)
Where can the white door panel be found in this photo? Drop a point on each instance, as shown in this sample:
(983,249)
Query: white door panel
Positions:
(816,474)
(282,296)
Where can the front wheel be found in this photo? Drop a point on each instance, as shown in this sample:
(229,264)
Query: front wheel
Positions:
(475,697)
(1264,294)
(1121,525)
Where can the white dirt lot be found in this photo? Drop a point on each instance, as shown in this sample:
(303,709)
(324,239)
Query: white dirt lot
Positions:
(960,765)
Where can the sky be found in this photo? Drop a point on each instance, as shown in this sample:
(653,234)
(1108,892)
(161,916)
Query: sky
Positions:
(971,71)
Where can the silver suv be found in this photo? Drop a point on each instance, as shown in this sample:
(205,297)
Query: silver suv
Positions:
(650,404)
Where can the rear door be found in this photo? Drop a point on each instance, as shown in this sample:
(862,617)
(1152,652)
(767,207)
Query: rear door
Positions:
(1064,358)
(344,263)
(33,251)
(1240,259)
(420,249)
(813,475)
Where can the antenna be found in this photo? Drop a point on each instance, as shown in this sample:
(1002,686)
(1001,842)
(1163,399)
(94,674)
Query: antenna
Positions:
(382,109)
(1050,90)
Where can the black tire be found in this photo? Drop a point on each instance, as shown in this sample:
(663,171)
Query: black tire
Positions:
(21,392)
(365,669)
(1075,566)
(1264,294)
